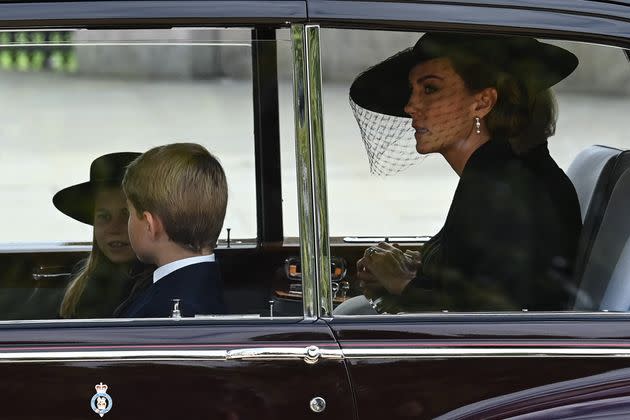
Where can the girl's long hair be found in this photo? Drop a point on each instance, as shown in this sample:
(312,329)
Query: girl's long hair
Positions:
(75,289)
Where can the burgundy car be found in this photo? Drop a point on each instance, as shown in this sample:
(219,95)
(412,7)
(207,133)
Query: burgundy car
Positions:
(264,85)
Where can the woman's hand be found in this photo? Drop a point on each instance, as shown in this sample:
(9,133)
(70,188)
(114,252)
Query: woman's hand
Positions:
(386,266)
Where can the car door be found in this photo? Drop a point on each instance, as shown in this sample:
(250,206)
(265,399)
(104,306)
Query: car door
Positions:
(127,77)
(486,363)
(202,369)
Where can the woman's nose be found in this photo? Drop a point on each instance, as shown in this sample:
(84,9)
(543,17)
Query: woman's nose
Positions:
(408,109)
(412,107)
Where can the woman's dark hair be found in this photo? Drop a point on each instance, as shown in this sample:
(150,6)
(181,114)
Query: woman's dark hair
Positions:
(522,117)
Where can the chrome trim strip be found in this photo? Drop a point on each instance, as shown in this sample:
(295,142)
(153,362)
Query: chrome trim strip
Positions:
(484,317)
(323,289)
(150,322)
(112,355)
(37,276)
(430,353)
(471,317)
(35,247)
(306,218)
(299,353)
(263,353)
(128,43)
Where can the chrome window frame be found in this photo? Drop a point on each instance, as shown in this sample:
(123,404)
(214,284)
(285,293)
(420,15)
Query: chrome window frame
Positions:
(311,172)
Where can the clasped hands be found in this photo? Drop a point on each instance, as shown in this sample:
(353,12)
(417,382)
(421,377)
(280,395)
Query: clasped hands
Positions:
(386,266)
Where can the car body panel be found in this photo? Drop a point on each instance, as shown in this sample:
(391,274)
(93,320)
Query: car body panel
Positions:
(192,369)
(597,396)
(460,367)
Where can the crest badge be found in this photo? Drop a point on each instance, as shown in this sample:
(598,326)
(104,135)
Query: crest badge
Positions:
(101,401)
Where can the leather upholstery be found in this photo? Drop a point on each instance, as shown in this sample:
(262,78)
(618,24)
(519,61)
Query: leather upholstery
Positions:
(585,170)
(606,276)
(602,238)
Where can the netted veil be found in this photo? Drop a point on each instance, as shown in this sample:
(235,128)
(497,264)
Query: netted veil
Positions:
(389,141)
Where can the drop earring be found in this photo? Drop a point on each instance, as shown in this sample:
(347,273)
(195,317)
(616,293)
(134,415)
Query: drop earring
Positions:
(477,125)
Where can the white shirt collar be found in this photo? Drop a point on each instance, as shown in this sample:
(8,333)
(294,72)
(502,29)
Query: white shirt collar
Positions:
(167,269)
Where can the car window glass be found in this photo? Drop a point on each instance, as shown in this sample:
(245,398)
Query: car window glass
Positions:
(81,94)
(82,97)
(287,139)
(504,229)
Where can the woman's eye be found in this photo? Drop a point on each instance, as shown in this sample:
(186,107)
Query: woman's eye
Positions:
(429,89)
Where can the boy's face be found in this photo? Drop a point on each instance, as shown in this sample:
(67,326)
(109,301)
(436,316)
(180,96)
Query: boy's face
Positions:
(138,234)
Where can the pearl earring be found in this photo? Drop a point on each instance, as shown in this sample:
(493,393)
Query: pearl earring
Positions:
(477,125)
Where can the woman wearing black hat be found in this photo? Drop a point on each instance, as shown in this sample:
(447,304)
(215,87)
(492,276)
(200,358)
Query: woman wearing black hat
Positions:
(106,278)
(510,237)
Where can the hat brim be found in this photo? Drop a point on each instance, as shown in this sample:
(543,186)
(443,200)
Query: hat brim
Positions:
(77,201)
(384,88)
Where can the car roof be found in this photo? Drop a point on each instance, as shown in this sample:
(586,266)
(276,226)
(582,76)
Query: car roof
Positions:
(607,19)
(596,19)
(151,12)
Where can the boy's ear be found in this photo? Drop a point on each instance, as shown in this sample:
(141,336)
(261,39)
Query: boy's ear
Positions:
(154,224)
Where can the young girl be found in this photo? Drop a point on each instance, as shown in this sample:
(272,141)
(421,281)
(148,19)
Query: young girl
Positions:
(112,272)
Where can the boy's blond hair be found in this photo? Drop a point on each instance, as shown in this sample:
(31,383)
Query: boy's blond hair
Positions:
(185,186)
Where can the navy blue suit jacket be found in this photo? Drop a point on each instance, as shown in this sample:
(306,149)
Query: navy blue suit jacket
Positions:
(198,286)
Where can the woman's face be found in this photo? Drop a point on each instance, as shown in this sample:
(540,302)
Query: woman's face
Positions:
(110,225)
(440,105)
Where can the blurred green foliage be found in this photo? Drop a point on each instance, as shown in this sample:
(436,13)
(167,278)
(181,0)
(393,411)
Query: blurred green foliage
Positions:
(37,51)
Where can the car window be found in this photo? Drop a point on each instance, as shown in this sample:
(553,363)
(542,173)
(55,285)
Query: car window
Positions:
(497,225)
(84,98)
(82,94)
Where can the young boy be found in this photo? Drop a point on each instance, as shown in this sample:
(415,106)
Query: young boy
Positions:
(176,195)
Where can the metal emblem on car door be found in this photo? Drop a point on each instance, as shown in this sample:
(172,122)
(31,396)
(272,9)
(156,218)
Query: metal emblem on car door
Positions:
(101,401)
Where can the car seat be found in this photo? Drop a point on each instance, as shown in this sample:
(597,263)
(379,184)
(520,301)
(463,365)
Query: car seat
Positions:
(596,238)
(606,275)
(586,169)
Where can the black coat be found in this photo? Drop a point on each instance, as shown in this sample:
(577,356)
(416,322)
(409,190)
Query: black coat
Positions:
(198,286)
(509,241)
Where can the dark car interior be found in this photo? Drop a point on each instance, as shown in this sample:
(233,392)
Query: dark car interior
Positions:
(265,279)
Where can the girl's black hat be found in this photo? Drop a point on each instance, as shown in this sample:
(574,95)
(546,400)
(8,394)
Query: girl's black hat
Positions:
(107,171)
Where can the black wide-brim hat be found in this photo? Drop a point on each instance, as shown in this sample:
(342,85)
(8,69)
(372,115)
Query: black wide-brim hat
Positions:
(107,171)
(384,88)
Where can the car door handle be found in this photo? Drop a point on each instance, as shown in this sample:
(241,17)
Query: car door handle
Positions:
(38,276)
(50,272)
(310,354)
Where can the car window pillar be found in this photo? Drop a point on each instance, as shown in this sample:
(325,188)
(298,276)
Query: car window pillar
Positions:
(267,135)
(310,168)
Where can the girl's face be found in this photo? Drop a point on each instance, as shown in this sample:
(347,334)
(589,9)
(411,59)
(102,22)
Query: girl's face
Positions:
(110,225)
(440,105)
